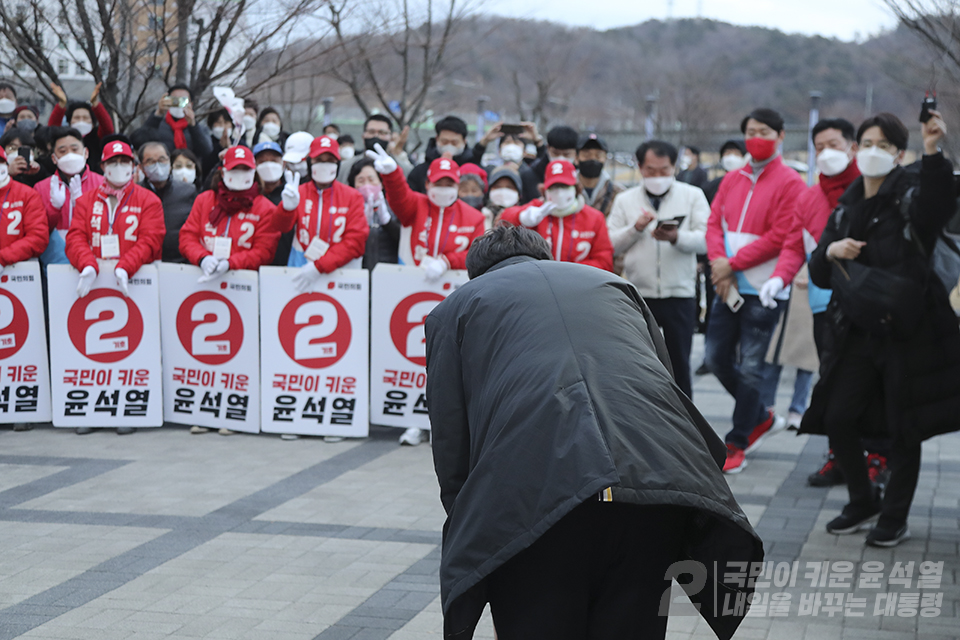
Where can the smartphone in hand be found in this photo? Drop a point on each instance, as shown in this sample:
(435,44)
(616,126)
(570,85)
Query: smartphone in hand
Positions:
(929,103)
(734,299)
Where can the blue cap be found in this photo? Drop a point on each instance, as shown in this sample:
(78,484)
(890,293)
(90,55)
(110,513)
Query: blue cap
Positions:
(267,146)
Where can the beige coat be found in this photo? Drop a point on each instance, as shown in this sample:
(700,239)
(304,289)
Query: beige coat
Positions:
(798,348)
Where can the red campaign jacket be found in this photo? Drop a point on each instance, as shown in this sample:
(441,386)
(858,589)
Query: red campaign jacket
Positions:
(343,224)
(253,233)
(104,121)
(429,230)
(581,237)
(23,223)
(138,223)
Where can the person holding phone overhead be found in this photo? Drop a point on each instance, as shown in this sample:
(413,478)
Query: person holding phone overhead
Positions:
(174,123)
(659,228)
(752,215)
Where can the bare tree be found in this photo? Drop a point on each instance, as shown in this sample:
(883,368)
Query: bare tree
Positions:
(935,21)
(137,47)
(390,54)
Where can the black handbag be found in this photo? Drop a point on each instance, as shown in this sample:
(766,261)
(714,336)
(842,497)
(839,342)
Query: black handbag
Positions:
(879,301)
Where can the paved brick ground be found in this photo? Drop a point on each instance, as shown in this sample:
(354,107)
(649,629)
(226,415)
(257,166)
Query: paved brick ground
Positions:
(167,535)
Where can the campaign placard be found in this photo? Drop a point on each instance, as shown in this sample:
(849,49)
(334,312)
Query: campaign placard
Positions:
(24,373)
(211,348)
(402,300)
(105,349)
(314,353)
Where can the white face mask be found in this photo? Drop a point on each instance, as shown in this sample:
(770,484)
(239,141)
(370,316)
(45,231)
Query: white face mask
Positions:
(118,174)
(217,132)
(158,171)
(442,196)
(685,163)
(249,122)
(177,112)
(323,172)
(184,174)
(332,136)
(563,197)
(732,162)
(658,186)
(511,153)
(272,129)
(238,179)
(4,174)
(7,105)
(71,163)
(874,162)
(832,162)
(504,197)
(451,149)
(347,152)
(83,127)
(270,171)
(298,167)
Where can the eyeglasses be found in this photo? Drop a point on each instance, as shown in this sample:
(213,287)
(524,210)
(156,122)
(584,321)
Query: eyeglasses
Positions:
(883,145)
(380,133)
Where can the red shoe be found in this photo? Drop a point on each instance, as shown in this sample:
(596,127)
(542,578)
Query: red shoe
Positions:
(773,424)
(736,460)
(877,470)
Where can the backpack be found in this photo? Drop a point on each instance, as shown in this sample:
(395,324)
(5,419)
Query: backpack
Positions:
(945,259)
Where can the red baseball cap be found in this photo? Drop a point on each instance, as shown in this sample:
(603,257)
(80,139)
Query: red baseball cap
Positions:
(443,168)
(238,156)
(471,168)
(560,172)
(116,148)
(324,144)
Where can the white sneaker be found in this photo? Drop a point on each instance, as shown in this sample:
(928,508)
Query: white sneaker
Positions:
(412,436)
(793,420)
(195,429)
(333,438)
(289,436)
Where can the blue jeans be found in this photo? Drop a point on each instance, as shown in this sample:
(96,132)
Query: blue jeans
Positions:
(751,329)
(801,388)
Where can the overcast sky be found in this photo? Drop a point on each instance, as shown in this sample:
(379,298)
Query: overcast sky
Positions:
(844,19)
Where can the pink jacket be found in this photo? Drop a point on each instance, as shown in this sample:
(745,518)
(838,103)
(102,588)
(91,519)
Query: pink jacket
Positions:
(60,218)
(750,220)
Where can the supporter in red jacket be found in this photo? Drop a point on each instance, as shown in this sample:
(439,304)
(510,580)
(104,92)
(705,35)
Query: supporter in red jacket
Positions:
(437,227)
(230,226)
(120,221)
(23,220)
(331,227)
(575,231)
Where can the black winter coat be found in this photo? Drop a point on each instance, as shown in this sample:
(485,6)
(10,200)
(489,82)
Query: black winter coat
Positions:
(920,394)
(549,382)
(418,175)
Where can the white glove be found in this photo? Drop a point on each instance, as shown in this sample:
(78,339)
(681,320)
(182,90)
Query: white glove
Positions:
(383,214)
(213,268)
(532,216)
(208,264)
(76,187)
(769,292)
(58,192)
(434,268)
(122,281)
(87,276)
(382,161)
(306,276)
(291,192)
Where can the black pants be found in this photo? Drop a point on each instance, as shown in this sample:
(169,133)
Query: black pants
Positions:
(858,375)
(595,575)
(678,318)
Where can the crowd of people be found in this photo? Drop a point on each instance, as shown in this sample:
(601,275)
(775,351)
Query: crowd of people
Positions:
(786,268)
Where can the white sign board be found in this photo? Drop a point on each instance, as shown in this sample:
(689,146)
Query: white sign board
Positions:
(24,373)
(105,349)
(211,348)
(402,300)
(314,353)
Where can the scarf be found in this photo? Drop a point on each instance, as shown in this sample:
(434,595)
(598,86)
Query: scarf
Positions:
(179,140)
(106,190)
(230,203)
(834,186)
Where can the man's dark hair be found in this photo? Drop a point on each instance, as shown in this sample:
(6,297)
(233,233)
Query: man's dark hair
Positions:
(733,144)
(213,116)
(147,145)
(15,133)
(7,85)
(57,133)
(333,126)
(563,137)
(845,127)
(660,149)
(769,117)
(182,86)
(356,168)
(502,242)
(694,150)
(452,123)
(379,117)
(250,103)
(891,126)
(345,138)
